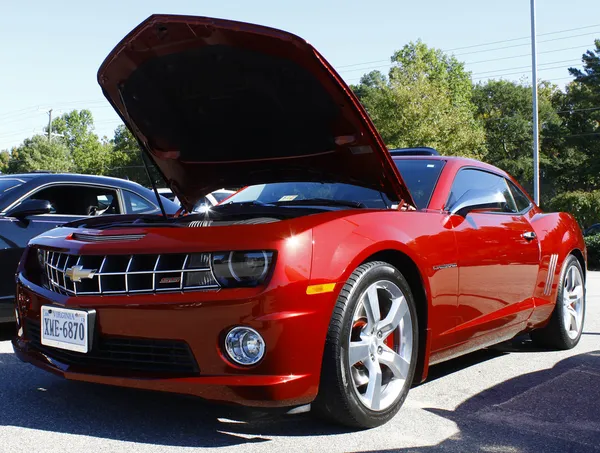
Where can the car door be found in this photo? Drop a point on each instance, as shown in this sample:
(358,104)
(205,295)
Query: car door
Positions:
(70,202)
(498,260)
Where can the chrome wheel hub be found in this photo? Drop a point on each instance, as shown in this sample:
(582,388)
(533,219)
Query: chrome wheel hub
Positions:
(573,302)
(380,347)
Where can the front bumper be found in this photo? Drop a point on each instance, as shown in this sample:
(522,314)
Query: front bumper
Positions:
(293,324)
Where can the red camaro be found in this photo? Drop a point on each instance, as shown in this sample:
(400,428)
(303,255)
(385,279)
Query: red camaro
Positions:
(335,279)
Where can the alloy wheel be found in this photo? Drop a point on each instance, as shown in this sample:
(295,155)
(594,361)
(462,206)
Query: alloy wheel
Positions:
(573,294)
(380,346)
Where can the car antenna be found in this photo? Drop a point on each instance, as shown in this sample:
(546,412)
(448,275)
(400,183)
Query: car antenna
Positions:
(142,147)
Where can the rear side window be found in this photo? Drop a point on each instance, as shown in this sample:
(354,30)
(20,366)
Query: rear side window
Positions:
(521,200)
(477,180)
(136,204)
(420,176)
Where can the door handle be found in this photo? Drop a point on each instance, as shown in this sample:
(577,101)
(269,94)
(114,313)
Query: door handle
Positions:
(529,235)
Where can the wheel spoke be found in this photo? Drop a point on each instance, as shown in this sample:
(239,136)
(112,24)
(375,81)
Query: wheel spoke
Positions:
(576,293)
(359,352)
(397,364)
(373,393)
(567,301)
(392,320)
(567,320)
(574,321)
(372,306)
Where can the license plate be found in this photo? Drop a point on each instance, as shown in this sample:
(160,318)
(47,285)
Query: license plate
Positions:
(65,328)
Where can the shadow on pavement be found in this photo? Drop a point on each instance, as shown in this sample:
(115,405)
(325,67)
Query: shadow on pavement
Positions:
(553,410)
(34,399)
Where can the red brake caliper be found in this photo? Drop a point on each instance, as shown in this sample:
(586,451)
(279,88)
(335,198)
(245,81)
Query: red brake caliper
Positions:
(390,341)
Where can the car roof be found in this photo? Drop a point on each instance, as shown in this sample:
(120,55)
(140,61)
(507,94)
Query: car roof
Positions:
(456,161)
(415,151)
(70,177)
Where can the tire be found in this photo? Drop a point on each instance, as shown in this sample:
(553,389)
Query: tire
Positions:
(370,391)
(564,329)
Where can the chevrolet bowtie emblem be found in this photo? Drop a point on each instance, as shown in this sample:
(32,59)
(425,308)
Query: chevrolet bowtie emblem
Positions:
(76,273)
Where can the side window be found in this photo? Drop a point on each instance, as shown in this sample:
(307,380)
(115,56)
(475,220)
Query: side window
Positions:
(136,204)
(475,180)
(80,200)
(521,200)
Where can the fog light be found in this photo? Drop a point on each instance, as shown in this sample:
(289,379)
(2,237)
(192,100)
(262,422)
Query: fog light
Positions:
(244,346)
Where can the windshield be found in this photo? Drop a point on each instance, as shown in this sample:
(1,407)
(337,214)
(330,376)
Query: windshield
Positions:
(291,192)
(420,176)
(220,196)
(9,184)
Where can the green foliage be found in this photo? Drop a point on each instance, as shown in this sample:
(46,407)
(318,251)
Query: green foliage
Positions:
(592,244)
(4,158)
(39,153)
(504,108)
(125,159)
(581,117)
(585,206)
(89,154)
(424,101)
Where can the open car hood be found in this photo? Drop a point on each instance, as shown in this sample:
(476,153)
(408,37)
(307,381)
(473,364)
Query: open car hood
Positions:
(217,103)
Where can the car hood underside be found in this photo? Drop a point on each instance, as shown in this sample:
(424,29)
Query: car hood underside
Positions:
(218,103)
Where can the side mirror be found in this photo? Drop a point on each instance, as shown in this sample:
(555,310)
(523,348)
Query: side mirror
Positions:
(30,207)
(473,200)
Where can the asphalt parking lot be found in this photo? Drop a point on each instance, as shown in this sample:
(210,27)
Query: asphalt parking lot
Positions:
(511,398)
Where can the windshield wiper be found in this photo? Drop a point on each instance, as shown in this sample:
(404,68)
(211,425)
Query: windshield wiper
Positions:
(244,203)
(321,201)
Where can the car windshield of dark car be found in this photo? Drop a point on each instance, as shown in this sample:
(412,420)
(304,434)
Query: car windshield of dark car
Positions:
(420,176)
(220,196)
(294,192)
(7,185)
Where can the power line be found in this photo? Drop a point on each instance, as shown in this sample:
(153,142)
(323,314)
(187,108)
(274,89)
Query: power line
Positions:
(525,44)
(524,37)
(578,110)
(513,73)
(491,43)
(54,104)
(475,62)
(526,67)
(582,135)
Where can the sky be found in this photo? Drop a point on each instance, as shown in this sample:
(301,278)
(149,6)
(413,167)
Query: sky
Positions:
(50,51)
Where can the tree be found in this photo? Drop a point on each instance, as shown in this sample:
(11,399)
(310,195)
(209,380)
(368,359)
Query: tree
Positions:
(504,108)
(424,101)
(4,158)
(39,153)
(90,155)
(580,112)
(126,160)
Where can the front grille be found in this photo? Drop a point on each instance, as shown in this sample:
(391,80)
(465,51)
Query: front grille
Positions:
(125,274)
(125,355)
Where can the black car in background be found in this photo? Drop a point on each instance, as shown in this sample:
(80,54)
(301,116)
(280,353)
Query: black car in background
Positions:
(593,230)
(33,203)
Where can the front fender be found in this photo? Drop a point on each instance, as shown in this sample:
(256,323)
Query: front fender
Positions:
(426,238)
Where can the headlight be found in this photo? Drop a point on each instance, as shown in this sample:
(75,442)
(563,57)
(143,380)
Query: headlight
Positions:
(41,258)
(249,268)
